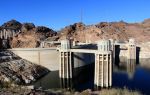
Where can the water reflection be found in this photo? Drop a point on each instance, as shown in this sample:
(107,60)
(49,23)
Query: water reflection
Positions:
(128,67)
(131,75)
(83,79)
(51,80)
(131,63)
(66,83)
(127,74)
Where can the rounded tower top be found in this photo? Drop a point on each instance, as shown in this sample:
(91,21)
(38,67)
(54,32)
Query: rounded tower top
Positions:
(104,45)
(132,41)
(65,44)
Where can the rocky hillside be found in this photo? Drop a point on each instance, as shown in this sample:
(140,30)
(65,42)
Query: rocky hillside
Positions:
(104,30)
(30,35)
(17,70)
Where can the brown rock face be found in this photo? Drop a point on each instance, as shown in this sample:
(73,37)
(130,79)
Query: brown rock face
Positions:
(91,33)
(71,31)
(12,24)
(25,41)
(29,35)
(104,30)
(29,39)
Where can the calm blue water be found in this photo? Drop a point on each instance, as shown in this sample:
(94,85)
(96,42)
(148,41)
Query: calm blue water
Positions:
(132,77)
(137,80)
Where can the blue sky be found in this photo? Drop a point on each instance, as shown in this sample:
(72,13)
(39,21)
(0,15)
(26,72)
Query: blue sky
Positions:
(56,14)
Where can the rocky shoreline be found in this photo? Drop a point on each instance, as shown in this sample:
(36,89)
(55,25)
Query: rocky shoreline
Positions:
(25,91)
(17,70)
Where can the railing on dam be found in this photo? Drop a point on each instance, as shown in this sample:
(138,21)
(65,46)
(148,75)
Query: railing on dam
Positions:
(104,57)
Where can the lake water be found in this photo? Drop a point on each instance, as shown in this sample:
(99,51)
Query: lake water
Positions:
(131,76)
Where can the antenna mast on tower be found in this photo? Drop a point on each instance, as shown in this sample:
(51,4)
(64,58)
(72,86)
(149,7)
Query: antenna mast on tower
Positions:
(81,16)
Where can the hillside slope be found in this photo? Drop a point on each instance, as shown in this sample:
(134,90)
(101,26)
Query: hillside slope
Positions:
(104,30)
(30,36)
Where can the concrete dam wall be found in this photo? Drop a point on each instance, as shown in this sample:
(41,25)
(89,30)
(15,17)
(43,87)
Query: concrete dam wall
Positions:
(49,57)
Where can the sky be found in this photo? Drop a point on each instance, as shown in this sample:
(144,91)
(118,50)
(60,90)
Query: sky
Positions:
(57,14)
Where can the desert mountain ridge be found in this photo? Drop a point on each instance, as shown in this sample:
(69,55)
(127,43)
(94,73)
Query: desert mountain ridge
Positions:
(30,35)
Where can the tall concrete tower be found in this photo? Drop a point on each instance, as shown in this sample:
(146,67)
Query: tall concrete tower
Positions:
(65,68)
(103,64)
(131,49)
